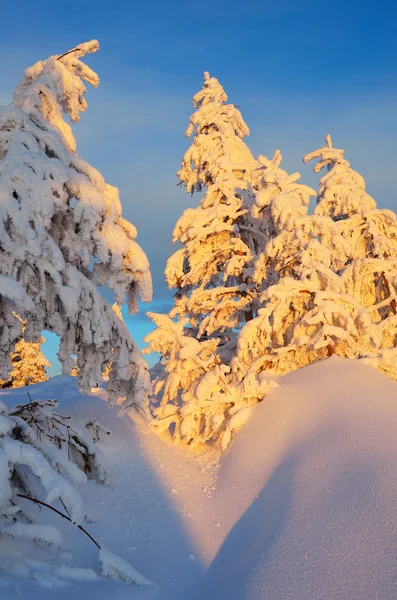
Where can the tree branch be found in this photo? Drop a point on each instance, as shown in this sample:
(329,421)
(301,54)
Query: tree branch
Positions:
(41,503)
(69,52)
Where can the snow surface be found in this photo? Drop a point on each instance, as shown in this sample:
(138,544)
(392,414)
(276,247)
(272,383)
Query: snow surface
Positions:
(300,506)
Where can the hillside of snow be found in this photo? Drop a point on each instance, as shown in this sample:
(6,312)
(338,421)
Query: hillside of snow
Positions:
(301,506)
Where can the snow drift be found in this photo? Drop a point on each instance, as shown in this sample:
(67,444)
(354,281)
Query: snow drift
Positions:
(313,480)
(300,507)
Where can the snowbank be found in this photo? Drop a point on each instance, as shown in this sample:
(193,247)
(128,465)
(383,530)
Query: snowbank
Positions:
(313,480)
(300,507)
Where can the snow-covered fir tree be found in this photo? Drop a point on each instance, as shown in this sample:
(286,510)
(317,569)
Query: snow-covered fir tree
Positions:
(212,272)
(297,241)
(336,289)
(62,235)
(369,274)
(303,321)
(298,271)
(371,232)
(194,395)
(28,363)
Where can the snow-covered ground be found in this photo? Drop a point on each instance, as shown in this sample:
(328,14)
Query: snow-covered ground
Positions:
(301,506)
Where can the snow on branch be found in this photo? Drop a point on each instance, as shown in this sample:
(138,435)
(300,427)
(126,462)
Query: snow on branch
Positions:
(62,235)
(216,293)
(300,324)
(342,190)
(196,399)
(55,85)
(40,455)
(28,363)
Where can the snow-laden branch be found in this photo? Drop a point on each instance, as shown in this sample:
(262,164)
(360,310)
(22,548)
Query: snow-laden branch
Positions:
(62,234)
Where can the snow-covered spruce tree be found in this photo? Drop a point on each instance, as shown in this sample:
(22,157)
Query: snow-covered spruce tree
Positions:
(298,271)
(297,241)
(62,235)
(32,465)
(340,296)
(212,271)
(303,321)
(371,233)
(195,396)
(28,363)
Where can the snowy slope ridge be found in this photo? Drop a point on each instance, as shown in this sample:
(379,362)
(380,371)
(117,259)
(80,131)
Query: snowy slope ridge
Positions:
(301,505)
(315,472)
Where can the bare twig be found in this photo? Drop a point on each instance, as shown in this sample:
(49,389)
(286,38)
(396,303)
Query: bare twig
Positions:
(69,52)
(41,503)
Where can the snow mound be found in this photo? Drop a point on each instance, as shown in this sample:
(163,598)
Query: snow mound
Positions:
(308,491)
(300,507)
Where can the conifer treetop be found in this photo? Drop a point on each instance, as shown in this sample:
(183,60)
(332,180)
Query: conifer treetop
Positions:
(212,113)
(55,85)
(210,272)
(329,156)
(342,190)
(217,145)
(270,163)
(212,91)
(279,192)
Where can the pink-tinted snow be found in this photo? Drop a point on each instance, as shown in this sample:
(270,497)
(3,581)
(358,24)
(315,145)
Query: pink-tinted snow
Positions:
(301,506)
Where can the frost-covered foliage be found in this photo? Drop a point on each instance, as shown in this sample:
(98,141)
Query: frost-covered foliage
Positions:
(298,243)
(196,396)
(217,145)
(116,567)
(371,232)
(301,323)
(342,190)
(75,438)
(278,196)
(44,458)
(62,235)
(75,370)
(117,310)
(28,363)
(211,272)
(331,276)
(369,274)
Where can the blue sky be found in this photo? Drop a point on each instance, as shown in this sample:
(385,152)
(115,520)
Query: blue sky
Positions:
(298,69)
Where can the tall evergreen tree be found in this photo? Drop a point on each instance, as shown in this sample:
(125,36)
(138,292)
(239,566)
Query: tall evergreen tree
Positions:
(369,274)
(299,243)
(371,232)
(338,294)
(213,276)
(212,270)
(62,235)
